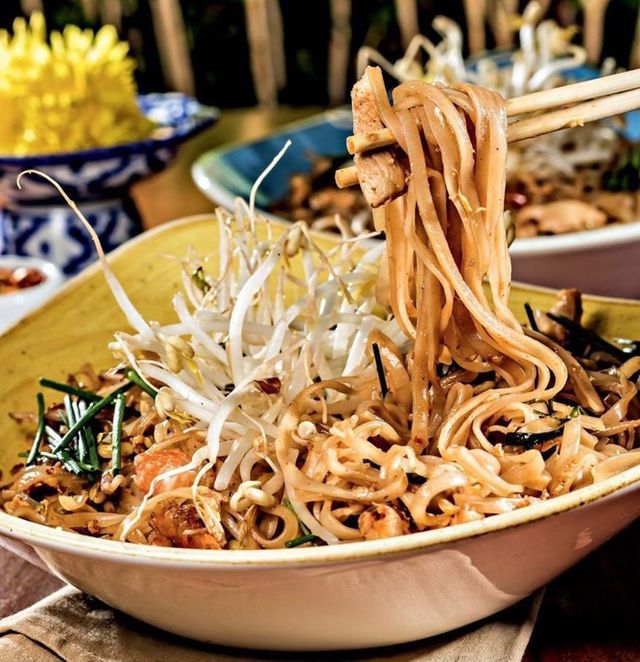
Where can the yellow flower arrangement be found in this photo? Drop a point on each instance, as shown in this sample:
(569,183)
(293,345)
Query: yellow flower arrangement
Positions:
(74,92)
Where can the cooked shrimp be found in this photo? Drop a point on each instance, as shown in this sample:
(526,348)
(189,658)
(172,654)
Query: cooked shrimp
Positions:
(153,463)
(179,525)
(381,522)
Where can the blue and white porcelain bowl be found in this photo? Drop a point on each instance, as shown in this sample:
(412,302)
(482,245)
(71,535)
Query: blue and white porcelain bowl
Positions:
(34,222)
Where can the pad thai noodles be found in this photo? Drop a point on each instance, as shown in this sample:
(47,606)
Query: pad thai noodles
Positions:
(310,397)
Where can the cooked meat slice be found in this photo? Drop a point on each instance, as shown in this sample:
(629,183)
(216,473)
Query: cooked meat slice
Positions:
(382,178)
(619,206)
(559,217)
(568,304)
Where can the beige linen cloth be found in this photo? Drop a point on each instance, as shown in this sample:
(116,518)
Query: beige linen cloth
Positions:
(74,627)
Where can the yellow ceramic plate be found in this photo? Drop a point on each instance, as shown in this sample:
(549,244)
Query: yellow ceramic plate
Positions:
(76,325)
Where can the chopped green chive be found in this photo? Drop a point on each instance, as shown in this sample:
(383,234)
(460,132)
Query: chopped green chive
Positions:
(71,390)
(89,414)
(592,338)
(92,446)
(199,280)
(83,450)
(530,439)
(69,462)
(133,376)
(384,389)
(300,540)
(71,419)
(35,448)
(287,504)
(116,435)
(531,317)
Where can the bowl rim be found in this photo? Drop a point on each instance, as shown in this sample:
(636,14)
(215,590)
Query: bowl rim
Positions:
(41,536)
(585,240)
(207,116)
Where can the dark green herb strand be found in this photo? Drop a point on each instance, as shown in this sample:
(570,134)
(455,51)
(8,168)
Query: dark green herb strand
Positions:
(116,435)
(83,450)
(199,280)
(133,376)
(35,448)
(69,462)
(531,317)
(301,540)
(287,504)
(530,439)
(92,446)
(384,389)
(71,390)
(89,414)
(71,419)
(52,435)
(592,338)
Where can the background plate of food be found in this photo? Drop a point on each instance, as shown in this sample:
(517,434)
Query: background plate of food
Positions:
(573,196)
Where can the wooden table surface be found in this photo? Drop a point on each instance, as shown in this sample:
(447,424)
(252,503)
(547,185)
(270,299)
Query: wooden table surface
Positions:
(590,614)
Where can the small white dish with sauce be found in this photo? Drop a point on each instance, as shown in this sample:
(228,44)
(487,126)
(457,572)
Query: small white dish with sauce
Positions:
(15,305)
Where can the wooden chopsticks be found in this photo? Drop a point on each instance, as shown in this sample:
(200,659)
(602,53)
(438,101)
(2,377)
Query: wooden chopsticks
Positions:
(575,105)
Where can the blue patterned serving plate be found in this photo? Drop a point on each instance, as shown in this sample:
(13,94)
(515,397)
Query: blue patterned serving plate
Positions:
(34,222)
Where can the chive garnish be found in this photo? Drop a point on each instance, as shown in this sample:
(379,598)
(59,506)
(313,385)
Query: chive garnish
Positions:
(83,450)
(300,540)
(70,420)
(134,377)
(530,439)
(35,448)
(89,414)
(116,435)
(92,446)
(69,462)
(67,388)
(199,280)
(52,434)
(303,527)
(592,338)
(384,389)
(531,317)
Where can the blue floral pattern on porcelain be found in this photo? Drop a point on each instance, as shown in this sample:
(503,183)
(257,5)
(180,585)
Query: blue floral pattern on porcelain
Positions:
(34,221)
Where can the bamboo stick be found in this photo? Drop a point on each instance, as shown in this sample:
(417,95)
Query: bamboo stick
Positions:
(262,69)
(594,17)
(407,14)
(339,50)
(576,115)
(605,87)
(475,12)
(173,46)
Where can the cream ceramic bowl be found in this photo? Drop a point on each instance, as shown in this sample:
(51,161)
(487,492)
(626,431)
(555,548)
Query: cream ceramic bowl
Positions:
(603,261)
(348,596)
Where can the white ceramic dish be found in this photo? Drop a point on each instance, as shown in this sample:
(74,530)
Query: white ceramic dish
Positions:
(18,304)
(353,595)
(603,261)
